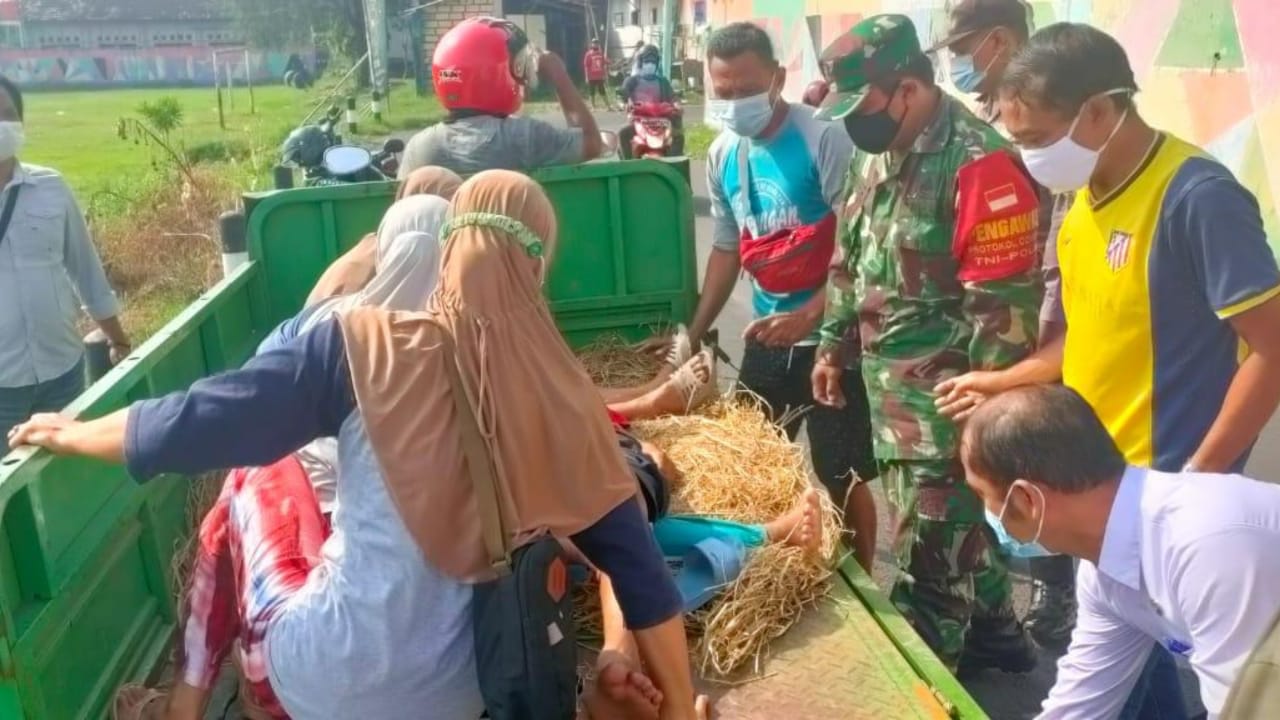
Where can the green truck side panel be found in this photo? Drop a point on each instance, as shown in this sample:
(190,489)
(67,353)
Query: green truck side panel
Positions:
(625,261)
(87,597)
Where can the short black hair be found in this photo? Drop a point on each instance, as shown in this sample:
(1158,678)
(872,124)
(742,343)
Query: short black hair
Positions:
(738,38)
(1065,64)
(919,67)
(1046,433)
(14,94)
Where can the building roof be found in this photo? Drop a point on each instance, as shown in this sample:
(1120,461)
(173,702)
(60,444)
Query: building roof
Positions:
(99,10)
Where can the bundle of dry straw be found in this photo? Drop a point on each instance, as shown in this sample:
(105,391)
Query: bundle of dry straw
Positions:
(735,465)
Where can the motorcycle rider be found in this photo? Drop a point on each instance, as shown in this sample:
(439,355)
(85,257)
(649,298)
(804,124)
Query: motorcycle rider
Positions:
(649,86)
(481,70)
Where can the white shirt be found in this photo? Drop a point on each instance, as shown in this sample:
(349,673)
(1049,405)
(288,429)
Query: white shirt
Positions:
(377,632)
(1189,560)
(48,268)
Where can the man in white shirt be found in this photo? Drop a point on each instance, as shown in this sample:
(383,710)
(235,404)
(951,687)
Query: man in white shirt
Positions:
(49,270)
(1182,558)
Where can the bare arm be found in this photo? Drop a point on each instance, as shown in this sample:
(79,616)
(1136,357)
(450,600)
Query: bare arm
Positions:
(102,439)
(576,112)
(666,657)
(958,396)
(1253,394)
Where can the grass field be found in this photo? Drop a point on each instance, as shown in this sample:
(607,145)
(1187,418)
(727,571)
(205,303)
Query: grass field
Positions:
(156,232)
(75,132)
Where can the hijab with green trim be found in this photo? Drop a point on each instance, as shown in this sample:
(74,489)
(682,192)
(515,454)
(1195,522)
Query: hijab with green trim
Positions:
(554,452)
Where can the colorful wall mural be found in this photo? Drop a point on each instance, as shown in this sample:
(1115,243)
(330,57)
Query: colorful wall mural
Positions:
(172,66)
(1205,67)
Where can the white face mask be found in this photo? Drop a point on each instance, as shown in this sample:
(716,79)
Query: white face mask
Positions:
(747,116)
(1066,165)
(12,138)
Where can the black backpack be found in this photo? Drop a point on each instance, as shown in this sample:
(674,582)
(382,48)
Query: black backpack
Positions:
(525,639)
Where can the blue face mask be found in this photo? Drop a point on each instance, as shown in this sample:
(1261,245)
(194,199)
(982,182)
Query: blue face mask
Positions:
(648,69)
(964,75)
(1011,545)
(747,116)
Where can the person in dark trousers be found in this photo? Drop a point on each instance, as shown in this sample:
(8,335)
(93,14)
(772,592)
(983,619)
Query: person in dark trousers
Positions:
(49,270)
(595,68)
(775,169)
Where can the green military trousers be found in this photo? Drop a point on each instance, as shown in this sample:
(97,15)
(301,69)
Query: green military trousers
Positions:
(950,571)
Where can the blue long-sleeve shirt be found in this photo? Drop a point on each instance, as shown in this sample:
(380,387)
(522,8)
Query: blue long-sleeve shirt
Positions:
(284,398)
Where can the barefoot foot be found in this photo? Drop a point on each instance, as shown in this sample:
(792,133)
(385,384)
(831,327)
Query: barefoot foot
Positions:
(621,691)
(801,526)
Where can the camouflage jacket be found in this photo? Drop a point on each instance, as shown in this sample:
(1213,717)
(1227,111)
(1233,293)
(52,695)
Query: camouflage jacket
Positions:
(896,273)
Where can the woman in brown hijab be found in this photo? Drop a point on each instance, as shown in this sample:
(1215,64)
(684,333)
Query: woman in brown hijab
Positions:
(352,271)
(397,594)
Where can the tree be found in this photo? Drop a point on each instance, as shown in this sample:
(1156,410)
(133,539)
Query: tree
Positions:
(279,24)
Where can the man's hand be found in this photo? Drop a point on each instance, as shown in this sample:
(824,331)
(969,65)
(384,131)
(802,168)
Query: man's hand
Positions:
(827,390)
(551,67)
(958,397)
(119,352)
(782,329)
(45,430)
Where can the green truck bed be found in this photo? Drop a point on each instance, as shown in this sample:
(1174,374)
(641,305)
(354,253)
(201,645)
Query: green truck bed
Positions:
(86,554)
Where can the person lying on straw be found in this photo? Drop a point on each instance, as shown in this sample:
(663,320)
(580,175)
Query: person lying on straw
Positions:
(387,596)
(711,552)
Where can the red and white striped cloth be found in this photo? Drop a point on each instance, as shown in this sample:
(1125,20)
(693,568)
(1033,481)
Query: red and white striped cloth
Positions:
(257,546)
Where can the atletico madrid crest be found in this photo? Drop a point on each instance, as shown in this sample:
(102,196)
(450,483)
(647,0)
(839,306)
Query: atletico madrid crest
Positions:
(1118,249)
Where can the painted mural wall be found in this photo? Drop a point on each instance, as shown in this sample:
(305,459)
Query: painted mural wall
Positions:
(1206,68)
(174,66)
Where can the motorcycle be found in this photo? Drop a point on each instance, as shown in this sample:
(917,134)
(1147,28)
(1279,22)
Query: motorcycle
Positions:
(654,131)
(326,160)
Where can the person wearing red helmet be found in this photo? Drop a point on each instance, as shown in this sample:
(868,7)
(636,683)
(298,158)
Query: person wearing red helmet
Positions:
(481,70)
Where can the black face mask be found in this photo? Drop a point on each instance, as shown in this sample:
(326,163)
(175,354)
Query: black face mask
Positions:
(873,132)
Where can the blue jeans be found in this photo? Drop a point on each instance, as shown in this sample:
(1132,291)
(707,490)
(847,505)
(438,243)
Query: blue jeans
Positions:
(18,404)
(1158,693)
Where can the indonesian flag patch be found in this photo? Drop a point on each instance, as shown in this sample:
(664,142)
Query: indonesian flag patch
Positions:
(997,217)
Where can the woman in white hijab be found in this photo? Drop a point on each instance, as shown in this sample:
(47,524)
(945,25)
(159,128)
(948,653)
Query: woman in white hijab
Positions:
(406,270)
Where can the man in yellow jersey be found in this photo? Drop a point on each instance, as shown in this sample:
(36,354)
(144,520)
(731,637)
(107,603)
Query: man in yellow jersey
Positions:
(1171,293)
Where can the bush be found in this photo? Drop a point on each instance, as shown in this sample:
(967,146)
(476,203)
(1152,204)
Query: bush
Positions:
(218,151)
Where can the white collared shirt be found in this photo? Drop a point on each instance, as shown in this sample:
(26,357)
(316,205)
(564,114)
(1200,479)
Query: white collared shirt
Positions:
(1189,560)
(49,268)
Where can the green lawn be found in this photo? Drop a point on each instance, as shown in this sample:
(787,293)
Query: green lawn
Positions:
(155,233)
(75,132)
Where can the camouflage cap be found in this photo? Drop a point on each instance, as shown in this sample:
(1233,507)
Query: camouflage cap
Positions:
(873,49)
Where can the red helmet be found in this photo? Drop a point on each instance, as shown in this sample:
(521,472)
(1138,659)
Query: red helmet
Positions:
(477,65)
(816,92)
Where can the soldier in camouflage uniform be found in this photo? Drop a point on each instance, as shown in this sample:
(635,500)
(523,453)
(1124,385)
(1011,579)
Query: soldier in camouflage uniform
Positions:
(938,289)
(983,35)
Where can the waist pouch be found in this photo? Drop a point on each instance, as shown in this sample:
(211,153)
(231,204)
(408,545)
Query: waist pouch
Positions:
(788,260)
(792,259)
(526,642)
